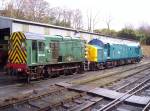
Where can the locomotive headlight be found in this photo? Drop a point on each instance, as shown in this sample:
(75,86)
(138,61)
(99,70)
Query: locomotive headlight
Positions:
(86,48)
(19,69)
(86,51)
(23,45)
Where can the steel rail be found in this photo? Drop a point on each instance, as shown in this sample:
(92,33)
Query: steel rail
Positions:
(141,69)
(120,101)
(125,96)
(139,66)
(138,79)
(146,107)
(130,83)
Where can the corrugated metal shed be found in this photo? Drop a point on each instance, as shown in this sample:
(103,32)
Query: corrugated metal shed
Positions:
(47,29)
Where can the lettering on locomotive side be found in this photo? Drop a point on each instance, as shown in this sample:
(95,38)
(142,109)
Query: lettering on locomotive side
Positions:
(41,54)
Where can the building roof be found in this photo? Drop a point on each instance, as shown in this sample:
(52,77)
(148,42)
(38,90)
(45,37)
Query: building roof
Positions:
(59,27)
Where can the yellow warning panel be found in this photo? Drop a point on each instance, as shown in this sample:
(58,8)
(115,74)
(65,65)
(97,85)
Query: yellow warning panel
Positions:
(91,53)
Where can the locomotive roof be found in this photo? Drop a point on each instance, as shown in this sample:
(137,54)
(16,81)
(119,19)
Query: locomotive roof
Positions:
(101,41)
(96,42)
(119,41)
(35,36)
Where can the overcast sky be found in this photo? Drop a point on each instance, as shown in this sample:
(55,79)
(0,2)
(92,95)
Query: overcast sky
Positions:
(122,12)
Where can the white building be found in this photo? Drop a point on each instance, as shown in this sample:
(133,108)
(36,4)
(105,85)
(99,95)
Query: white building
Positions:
(9,25)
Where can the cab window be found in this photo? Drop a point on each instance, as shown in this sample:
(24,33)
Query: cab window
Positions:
(34,44)
(41,46)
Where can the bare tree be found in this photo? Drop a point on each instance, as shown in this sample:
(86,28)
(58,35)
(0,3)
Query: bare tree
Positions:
(39,11)
(8,10)
(89,21)
(129,26)
(66,17)
(55,15)
(36,10)
(108,21)
(18,8)
(77,19)
(92,20)
(14,8)
(2,4)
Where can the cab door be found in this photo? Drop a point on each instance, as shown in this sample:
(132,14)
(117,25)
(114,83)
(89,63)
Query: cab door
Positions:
(34,52)
(55,50)
(41,52)
(48,52)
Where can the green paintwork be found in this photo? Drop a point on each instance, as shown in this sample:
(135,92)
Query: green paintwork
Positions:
(56,49)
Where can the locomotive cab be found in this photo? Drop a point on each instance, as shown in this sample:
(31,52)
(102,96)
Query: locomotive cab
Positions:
(97,54)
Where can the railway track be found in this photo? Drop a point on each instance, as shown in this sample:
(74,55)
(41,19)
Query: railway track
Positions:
(139,87)
(130,89)
(57,98)
(124,84)
(147,107)
(109,78)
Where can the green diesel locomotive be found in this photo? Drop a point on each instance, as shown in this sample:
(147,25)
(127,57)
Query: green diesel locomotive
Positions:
(36,56)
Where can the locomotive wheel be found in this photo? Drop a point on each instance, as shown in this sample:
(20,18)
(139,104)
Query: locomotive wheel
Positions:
(100,66)
(28,79)
(66,72)
(45,74)
(75,71)
(8,71)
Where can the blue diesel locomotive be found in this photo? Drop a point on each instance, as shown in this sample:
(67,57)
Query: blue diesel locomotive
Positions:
(102,55)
